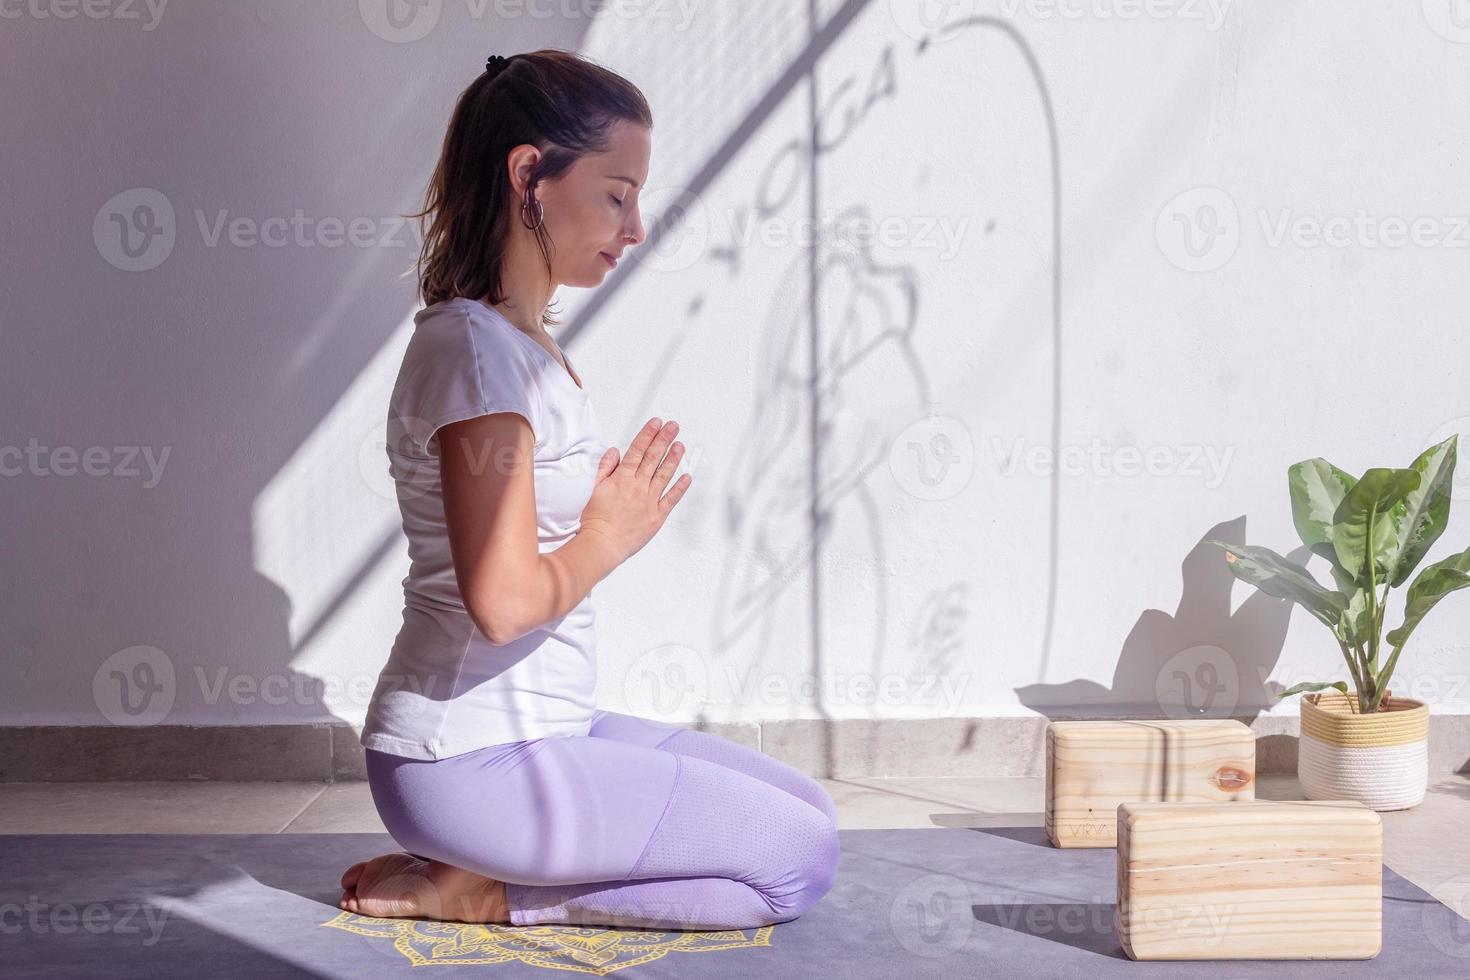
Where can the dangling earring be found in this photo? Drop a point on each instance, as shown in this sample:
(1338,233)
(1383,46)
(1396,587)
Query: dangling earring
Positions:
(526,203)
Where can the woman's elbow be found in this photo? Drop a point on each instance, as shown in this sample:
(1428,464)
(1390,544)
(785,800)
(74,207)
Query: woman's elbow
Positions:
(500,623)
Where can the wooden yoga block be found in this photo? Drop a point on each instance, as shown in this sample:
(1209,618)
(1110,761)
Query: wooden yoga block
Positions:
(1092,766)
(1254,879)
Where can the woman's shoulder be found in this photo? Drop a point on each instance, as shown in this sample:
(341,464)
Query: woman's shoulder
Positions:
(457,311)
(469,327)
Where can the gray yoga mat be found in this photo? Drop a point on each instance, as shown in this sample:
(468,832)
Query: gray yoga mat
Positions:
(940,902)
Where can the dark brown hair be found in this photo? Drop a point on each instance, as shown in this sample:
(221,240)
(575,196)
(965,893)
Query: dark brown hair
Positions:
(556,100)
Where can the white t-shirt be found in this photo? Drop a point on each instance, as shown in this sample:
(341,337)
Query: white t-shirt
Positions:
(446,689)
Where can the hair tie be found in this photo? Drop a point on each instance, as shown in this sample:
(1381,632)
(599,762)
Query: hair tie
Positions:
(495,62)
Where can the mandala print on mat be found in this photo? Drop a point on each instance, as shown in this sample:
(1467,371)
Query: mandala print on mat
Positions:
(599,952)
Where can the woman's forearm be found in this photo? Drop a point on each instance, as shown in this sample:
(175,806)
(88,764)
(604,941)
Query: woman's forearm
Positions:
(563,578)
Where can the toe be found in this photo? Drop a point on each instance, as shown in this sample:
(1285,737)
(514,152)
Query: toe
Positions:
(350,876)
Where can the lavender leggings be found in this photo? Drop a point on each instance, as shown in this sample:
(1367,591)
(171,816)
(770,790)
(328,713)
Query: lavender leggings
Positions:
(639,823)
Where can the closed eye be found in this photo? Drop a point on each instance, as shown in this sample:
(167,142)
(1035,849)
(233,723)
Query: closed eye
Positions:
(616,201)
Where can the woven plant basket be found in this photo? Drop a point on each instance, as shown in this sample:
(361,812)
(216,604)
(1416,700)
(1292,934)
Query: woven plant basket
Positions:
(1379,759)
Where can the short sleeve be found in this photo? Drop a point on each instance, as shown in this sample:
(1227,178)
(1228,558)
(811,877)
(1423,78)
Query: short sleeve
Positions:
(453,369)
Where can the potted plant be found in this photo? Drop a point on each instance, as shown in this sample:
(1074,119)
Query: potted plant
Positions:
(1363,744)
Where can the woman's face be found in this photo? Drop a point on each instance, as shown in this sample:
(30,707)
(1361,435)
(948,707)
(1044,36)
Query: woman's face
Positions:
(592,212)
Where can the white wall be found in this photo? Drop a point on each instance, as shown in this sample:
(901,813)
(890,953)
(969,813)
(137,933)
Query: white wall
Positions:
(957,574)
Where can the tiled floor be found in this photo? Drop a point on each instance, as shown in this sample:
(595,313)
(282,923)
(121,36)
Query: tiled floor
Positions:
(1425,844)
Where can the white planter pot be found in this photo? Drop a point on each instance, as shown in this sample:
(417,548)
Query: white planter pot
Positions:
(1381,759)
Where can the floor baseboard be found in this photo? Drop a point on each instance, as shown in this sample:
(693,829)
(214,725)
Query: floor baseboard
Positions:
(827,748)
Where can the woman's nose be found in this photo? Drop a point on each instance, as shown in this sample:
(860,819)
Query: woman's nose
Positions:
(635,233)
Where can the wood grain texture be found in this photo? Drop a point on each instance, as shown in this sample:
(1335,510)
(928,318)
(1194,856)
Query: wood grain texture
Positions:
(1254,879)
(1092,766)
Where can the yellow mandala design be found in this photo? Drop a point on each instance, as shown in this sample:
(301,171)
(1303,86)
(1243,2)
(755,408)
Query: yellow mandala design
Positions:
(426,942)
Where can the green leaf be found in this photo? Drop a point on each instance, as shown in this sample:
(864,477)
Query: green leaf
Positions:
(1432,585)
(1368,506)
(1425,510)
(1312,686)
(1317,490)
(1276,576)
(1355,624)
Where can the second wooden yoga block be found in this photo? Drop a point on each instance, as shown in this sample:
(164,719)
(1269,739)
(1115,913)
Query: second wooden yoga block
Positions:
(1092,766)
(1255,879)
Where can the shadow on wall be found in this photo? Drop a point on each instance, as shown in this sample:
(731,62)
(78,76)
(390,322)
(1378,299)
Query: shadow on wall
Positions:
(176,312)
(1203,661)
(838,360)
(238,357)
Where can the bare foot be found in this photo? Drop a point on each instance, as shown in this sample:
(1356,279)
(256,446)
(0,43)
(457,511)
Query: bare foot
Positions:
(399,885)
